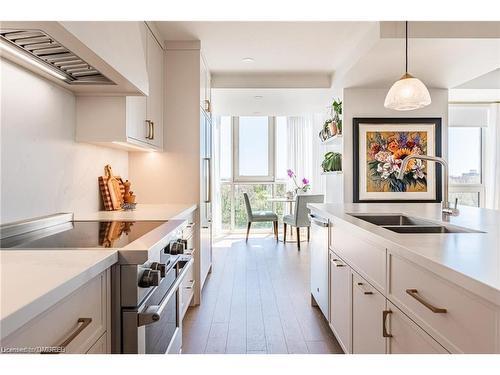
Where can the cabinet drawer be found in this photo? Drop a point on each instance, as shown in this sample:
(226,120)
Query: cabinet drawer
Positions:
(340,297)
(407,337)
(61,322)
(364,256)
(186,291)
(460,321)
(100,347)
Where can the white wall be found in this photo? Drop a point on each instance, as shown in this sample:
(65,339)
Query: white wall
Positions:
(173,176)
(43,170)
(362,102)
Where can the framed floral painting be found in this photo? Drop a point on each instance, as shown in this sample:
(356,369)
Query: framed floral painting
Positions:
(381,144)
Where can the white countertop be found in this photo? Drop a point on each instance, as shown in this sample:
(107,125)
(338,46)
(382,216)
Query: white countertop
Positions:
(142,212)
(34,280)
(471,260)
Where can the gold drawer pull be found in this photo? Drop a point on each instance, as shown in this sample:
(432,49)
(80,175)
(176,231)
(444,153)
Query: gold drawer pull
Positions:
(83,323)
(384,318)
(364,289)
(414,293)
(337,263)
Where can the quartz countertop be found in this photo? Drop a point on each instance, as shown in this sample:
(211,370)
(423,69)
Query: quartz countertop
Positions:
(471,260)
(34,280)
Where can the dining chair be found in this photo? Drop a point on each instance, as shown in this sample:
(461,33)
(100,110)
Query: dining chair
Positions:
(259,217)
(300,218)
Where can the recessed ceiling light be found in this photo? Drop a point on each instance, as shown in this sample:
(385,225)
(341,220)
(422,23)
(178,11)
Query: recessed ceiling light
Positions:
(247,60)
(258,97)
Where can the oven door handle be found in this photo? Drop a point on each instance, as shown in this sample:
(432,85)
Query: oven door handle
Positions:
(153,313)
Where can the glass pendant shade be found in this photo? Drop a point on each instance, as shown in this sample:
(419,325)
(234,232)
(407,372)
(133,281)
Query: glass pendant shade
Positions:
(406,94)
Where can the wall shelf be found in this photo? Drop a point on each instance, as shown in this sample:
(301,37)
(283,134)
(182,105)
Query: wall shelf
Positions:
(333,139)
(332,173)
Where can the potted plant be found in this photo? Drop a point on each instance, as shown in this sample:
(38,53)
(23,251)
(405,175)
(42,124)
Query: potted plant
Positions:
(299,188)
(337,115)
(332,162)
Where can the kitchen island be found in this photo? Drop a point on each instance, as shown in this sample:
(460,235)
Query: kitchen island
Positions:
(445,286)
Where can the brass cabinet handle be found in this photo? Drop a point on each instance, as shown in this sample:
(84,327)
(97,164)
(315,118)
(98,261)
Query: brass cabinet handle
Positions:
(363,289)
(414,293)
(384,318)
(148,136)
(82,324)
(337,263)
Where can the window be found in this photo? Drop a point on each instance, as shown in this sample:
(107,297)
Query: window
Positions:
(254,148)
(465,155)
(253,160)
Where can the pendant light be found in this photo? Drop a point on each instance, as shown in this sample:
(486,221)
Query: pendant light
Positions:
(408,93)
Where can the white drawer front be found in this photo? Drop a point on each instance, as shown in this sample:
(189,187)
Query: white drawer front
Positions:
(101,346)
(407,337)
(469,325)
(365,257)
(186,291)
(58,323)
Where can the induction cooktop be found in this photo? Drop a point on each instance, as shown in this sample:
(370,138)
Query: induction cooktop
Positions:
(82,234)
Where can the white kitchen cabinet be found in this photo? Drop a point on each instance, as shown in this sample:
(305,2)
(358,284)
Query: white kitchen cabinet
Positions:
(205,86)
(319,262)
(340,301)
(101,346)
(79,322)
(365,256)
(406,336)
(154,102)
(134,123)
(186,291)
(367,307)
(459,320)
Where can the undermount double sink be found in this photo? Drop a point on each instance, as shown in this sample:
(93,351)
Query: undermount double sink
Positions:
(410,225)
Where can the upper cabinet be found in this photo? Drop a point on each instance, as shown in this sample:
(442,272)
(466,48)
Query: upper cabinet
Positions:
(205,86)
(84,57)
(134,123)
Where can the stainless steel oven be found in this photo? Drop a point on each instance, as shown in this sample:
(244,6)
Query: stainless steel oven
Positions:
(153,327)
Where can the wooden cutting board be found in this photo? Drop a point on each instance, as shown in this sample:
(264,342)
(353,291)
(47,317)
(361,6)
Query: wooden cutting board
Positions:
(114,188)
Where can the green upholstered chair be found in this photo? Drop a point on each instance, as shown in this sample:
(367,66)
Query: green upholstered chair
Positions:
(259,217)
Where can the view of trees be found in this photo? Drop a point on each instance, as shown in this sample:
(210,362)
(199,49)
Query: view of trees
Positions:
(258,195)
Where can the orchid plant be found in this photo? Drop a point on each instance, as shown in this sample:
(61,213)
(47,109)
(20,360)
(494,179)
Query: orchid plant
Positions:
(305,182)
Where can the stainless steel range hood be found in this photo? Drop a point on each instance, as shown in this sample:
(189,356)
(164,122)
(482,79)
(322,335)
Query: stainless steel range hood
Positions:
(44,49)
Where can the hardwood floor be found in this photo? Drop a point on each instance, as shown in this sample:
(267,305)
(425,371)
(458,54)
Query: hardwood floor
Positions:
(257,301)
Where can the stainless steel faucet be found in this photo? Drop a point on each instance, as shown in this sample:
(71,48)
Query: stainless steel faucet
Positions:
(446,208)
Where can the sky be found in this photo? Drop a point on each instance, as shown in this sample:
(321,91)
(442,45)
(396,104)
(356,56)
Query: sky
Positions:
(464,150)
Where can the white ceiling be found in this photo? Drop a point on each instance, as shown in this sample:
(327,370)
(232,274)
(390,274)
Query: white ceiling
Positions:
(487,81)
(438,62)
(275,46)
(272,102)
(300,66)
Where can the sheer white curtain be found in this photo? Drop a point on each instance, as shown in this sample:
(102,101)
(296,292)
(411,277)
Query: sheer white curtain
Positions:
(492,158)
(303,151)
